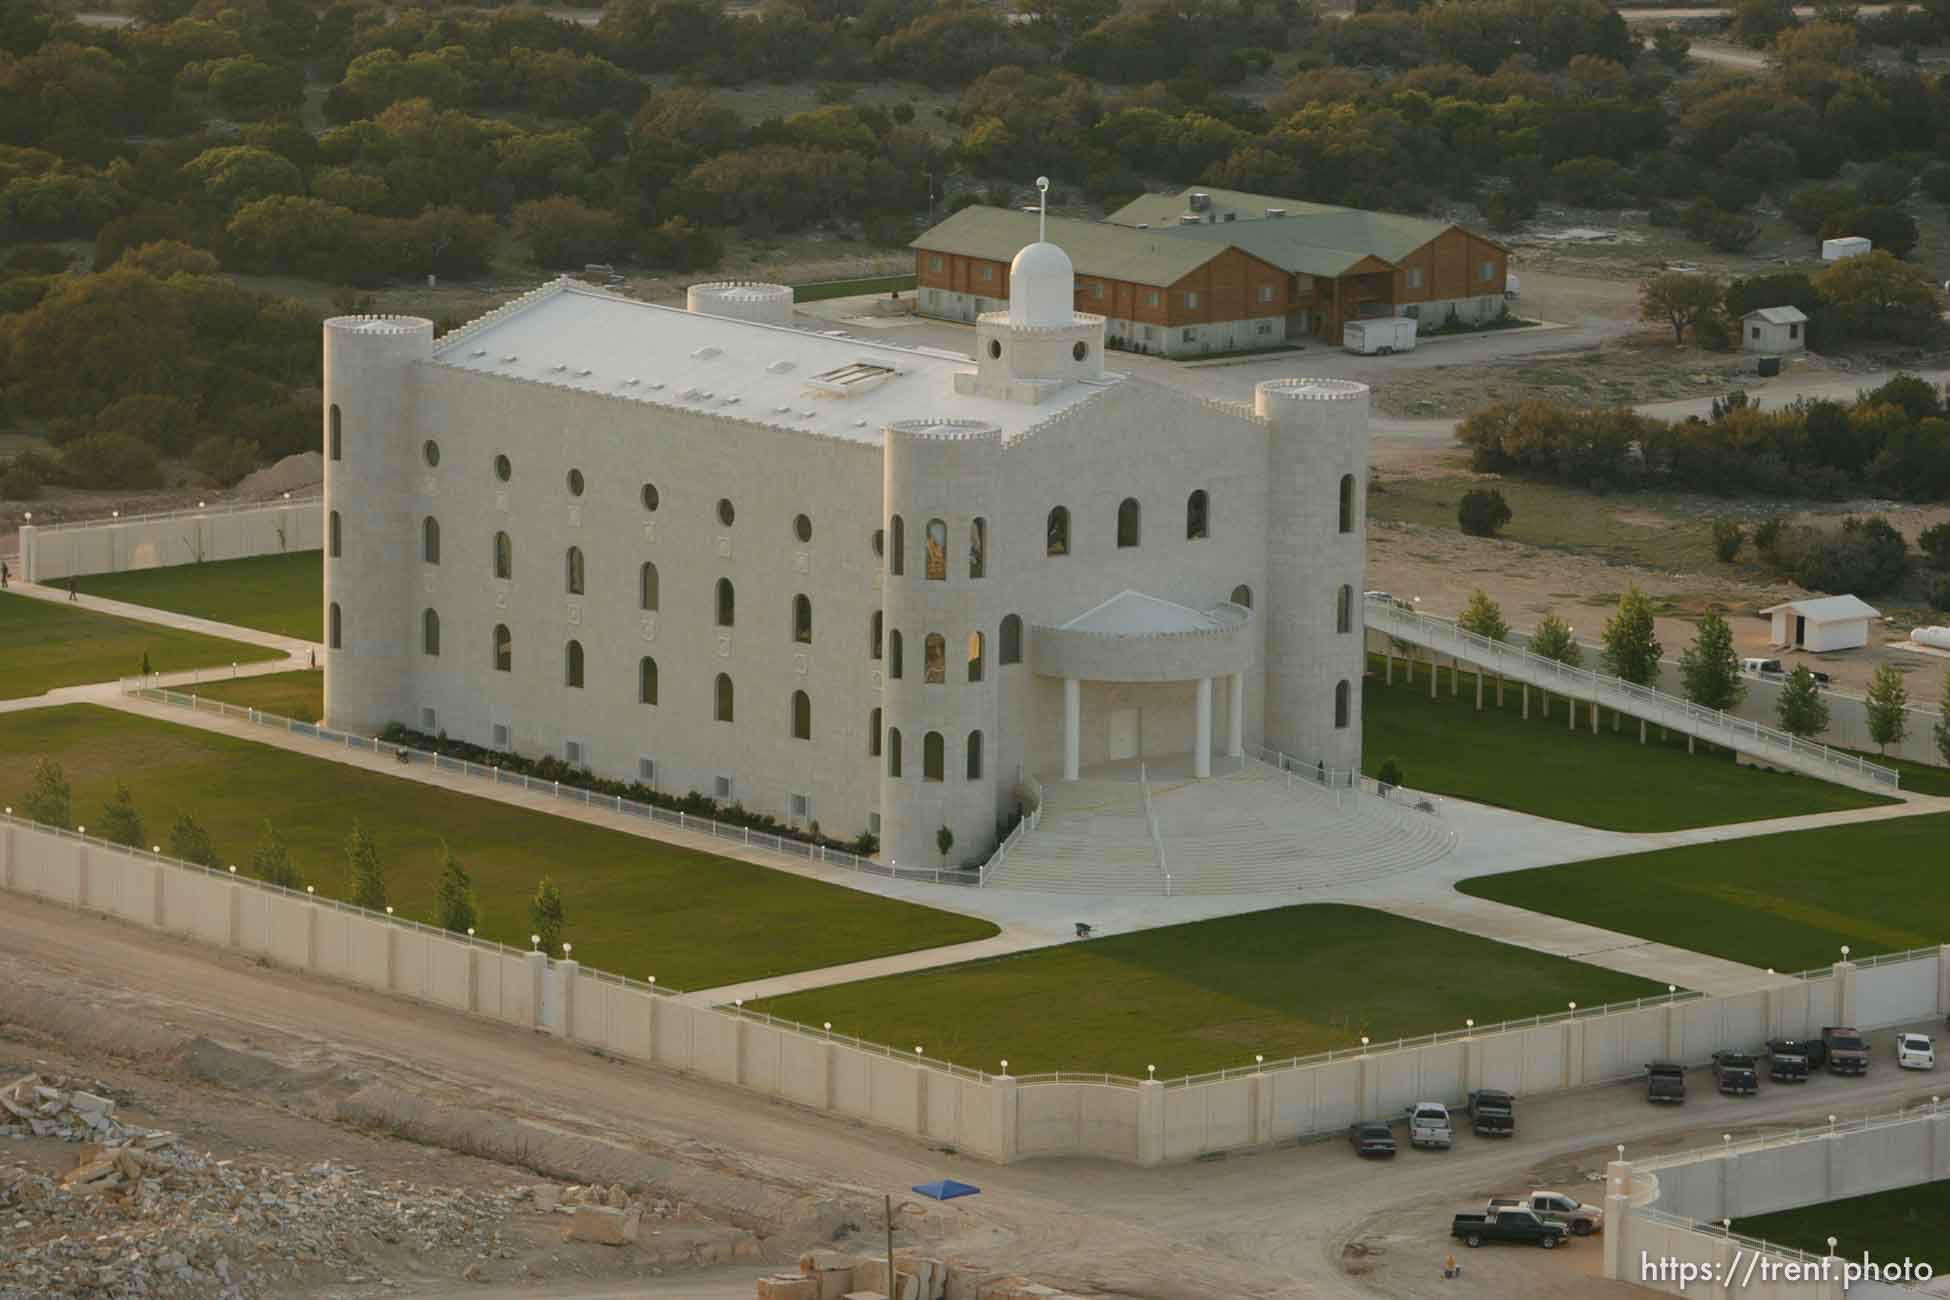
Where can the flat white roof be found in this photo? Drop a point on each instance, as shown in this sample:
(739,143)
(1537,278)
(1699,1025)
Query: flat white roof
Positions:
(576,336)
(1828,609)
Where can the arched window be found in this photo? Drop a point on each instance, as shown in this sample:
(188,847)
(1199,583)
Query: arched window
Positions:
(874,639)
(1242,595)
(646,680)
(1347,503)
(1130,518)
(978,549)
(802,619)
(1344,609)
(429,632)
(646,586)
(801,716)
(1343,704)
(894,752)
(504,556)
(1198,516)
(504,648)
(332,534)
(333,630)
(974,755)
(1057,532)
(1010,651)
(721,700)
(894,654)
(896,547)
(572,664)
(430,540)
(934,757)
(333,443)
(572,576)
(937,544)
(727,603)
(873,734)
(934,652)
(975,656)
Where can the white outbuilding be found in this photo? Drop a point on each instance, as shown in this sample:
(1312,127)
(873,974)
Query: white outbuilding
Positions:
(1834,250)
(1822,623)
(1774,329)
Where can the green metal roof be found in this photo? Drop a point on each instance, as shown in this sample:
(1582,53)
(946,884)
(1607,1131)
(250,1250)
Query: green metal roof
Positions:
(1320,227)
(1095,248)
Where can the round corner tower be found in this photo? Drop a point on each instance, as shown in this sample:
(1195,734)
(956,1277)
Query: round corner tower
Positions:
(372,461)
(1316,561)
(938,760)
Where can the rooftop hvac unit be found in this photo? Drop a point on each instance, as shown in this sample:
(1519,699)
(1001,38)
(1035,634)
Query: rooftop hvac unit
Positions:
(1189,219)
(1276,212)
(1200,201)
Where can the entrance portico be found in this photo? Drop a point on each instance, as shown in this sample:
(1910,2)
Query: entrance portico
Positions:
(1135,638)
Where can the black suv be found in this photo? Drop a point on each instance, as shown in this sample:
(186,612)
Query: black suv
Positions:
(1791,1060)
(1735,1074)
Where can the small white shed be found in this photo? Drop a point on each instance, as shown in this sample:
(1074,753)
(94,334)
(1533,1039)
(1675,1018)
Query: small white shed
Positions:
(1774,329)
(1822,623)
(1834,250)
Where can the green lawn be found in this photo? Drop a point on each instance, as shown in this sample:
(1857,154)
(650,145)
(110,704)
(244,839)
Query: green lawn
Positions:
(1918,778)
(1638,528)
(1788,901)
(1203,996)
(877,284)
(635,906)
(1609,780)
(272,593)
(299,694)
(48,644)
(1910,1223)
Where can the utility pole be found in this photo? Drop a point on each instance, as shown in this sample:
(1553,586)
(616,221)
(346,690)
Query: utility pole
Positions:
(891,1294)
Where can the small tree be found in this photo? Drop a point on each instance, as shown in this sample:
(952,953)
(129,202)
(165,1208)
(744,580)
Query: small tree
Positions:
(1554,639)
(121,823)
(1935,543)
(1630,649)
(1709,668)
(49,801)
(1888,705)
(189,842)
(1388,775)
(459,911)
(1483,616)
(545,915)
(1728,537)
(944,839)
(1482,512)
(1800,709)
(1943,723)
(145,663)
(271,860)
(366,879)
(1678,299)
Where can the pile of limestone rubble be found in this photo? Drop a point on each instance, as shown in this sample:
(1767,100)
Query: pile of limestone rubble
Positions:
(833,1275)
(140,1215)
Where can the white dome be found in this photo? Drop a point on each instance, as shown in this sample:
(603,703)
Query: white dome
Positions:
(1042,287)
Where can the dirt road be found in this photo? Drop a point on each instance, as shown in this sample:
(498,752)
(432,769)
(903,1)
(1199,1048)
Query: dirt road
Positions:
(1309,1222)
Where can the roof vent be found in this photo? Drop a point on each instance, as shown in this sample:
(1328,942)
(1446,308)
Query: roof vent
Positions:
(732,400)
(584,372)
(782,410)
(508,360)
(1199,200)
(1189,219)
(1276,212)
(559,367)
(852,378)
(859,424)
(630,382)
(805,415)
(779,367)
(706,353)
(478,352)
(690,394)
(656,383)
(1144,225)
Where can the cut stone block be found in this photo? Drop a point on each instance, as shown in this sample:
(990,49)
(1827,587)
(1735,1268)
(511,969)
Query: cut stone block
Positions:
(788,1286)
(604,1226)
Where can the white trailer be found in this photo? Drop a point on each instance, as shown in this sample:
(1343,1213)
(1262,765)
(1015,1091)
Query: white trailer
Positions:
(1379,337)
(1834,250)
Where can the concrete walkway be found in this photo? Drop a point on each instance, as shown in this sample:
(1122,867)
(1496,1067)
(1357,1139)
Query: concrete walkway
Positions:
(292,646)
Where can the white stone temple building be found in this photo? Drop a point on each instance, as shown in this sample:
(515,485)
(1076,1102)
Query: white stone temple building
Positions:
(836,580)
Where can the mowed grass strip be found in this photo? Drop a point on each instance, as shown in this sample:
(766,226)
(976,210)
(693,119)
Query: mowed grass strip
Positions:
(299,694)
(46,644)
(1211,994)
(1789,901)
(635,906)
(272,593)
(1608,781)
(1910,1223)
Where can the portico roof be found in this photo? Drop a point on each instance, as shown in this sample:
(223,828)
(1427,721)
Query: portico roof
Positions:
(1132,613)
(1134,637)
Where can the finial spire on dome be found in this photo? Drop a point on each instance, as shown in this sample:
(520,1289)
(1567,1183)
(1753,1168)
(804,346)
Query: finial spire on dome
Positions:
(1042,209)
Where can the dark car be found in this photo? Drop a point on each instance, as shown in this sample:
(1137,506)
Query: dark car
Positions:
(1493,1112)
(1508,1225)
(1665,1081)
(1790,1060)
(1735,1074)
(1846,1050)
(1370,1137)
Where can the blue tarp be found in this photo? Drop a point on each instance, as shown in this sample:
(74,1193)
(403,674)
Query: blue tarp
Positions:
(946,1189)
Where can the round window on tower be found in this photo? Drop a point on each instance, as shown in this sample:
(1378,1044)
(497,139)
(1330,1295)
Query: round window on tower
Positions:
(726,515)
(650,497)
(575,483)
(802,528)
(503,468)
(995,349)
(1081,350)
(431,450)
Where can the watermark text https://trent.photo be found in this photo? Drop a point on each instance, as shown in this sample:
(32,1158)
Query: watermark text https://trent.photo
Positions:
(1748,1267)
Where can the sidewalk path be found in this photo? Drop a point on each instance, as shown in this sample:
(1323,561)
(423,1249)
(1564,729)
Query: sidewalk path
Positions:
(290,645)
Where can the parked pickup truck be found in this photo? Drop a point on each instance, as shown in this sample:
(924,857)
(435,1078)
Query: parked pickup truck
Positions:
(1553,1207)
(1847,1053)
(1493,1112)
(1508,1225)
(1736,1074)
(1428,1125)
(1788,1059)
(1665,1081)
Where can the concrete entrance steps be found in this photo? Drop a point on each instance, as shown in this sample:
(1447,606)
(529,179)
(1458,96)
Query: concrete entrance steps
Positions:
(1093,839)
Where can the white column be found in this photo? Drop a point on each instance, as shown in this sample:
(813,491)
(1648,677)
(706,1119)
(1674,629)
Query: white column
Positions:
(1072,726)
(1236,716)
(1202,738)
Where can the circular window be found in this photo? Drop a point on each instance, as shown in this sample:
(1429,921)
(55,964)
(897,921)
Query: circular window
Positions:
(650,497)
(503,469)
(431,450)
(1080,351)
(880,541)
(802,528)
(726,515)
(575,482)
(995,349)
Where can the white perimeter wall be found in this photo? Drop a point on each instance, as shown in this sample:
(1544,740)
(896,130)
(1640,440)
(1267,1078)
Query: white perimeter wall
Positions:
(997,1118)
(114,546)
